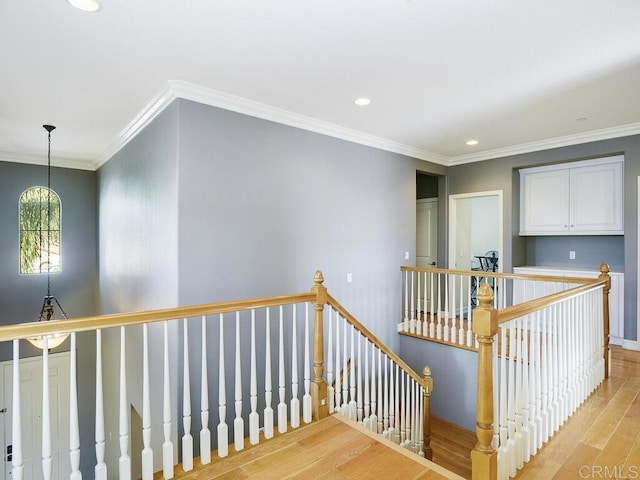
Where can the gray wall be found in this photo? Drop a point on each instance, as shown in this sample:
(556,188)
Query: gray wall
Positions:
(502,174)
(138,207)
(454,372)
(262,206)
(75,286)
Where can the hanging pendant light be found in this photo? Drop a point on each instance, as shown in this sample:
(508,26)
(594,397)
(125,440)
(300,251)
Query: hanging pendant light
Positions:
(48,305)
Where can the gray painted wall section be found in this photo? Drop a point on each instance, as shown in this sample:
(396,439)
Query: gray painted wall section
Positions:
(502,174)
(454,372)
(138,211)
(263,206)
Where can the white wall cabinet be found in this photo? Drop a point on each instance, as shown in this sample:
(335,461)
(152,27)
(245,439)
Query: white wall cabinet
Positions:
(578,198)
(523,293)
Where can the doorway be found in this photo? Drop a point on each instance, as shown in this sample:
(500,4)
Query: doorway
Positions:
(475,229)
(426,220)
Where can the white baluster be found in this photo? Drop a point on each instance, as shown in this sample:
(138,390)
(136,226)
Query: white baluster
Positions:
(390,403)
(124,462)
(147,452)
(254,418)
(504,432)
(544,404)
(17,465)
(223,429)
(386,409)
(432,313)
(412,317)
(365,412)
(306,399)
(338,402)
(447,312)
(74,430)
(359,382)
(457,310)
(519,443)
(187,438)
(205,433)
(268,411)
(373,420)
(405,324)
(526,391)
(101,466)
(167,446)
(353,406)
(418,320)
(331,393)
(439,313)
(403,403)
(238,422)
(451,307)
(469,316)
(295,403)
(511,421)
(380,427)
(282,406)
(425,315)
(47,458)
(345,383)
(396,403)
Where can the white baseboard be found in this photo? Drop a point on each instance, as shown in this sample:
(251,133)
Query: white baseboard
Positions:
(631,345)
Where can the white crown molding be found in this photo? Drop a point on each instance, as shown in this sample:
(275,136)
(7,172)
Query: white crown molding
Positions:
(576,139)
(151,110)
(214,98)
(173,89)
(38,160)
(179,89)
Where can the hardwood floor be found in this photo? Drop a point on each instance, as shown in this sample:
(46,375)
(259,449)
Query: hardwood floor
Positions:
(602,439)
(330,449)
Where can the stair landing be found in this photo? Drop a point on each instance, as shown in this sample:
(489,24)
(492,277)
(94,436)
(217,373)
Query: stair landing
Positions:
(330,449)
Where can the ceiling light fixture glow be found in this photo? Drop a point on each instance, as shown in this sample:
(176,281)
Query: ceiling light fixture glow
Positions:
(86,5)
(472,142)
(362,101)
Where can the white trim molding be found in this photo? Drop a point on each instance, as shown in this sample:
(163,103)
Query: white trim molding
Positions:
(173,89)
(179,89)
(39,160)
(557,142)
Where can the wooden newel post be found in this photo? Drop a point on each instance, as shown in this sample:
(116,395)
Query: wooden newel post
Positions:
(604,275)
(320,408)
(484,459)
(426,419)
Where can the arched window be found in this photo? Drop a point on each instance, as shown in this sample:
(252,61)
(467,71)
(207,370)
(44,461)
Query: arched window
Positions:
(40,223)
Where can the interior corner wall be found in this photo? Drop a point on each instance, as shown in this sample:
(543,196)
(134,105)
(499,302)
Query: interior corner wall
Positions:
(264,205)
(138,232)
(502,174)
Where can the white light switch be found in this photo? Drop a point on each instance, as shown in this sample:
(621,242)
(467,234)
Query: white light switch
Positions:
(406,255)
(349,277)
(572,254)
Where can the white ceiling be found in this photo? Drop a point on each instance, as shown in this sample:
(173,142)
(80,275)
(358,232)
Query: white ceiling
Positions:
(516,75)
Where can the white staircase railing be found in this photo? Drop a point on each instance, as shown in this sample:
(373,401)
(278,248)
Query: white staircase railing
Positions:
(282,325)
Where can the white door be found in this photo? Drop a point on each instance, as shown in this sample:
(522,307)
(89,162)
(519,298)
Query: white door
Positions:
(427,232)
(31,410)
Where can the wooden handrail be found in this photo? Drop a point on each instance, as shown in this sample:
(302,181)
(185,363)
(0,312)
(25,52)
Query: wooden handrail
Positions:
(515,276)
(83,324)
(515,311)
(373,339)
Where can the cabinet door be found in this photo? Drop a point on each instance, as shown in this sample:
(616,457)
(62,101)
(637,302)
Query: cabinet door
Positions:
(544,202)
(596,200)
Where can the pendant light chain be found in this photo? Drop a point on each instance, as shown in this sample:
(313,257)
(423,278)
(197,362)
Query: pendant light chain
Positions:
(49,216)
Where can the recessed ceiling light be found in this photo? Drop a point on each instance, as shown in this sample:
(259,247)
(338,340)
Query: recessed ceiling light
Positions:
(472,142)
(362,101)
(86,5)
